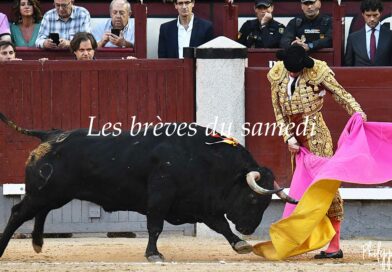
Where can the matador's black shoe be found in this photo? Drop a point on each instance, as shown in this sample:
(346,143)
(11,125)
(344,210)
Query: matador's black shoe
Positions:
(333,255)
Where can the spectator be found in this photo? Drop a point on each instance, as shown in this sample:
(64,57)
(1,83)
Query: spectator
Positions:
(311,30)
(371,45)
(83,45)
(7,51)
(66,20)
(26,22)
(187,30)
(104,33)
(4,28)
(264,31)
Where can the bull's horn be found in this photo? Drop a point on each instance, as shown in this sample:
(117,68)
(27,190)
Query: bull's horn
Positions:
(283,195)
(252,177)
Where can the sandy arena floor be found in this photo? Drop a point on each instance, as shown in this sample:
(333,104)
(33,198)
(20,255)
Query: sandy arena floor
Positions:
(182,254)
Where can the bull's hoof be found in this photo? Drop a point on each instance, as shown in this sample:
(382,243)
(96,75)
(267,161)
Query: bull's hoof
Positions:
(156,258)
(37,248)
(243,247)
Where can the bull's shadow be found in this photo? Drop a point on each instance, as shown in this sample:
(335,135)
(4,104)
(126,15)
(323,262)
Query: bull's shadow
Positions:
(195,177)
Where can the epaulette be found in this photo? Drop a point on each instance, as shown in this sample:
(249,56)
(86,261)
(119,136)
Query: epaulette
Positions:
(317,74)
(277,73)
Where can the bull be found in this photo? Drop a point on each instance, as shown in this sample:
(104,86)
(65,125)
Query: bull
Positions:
(180,179)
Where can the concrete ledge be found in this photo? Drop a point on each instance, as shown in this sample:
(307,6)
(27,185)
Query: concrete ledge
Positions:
(360,193)
(14,189)
(347,193)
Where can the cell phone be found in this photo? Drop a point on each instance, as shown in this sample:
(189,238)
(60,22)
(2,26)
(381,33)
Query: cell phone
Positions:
(55,37)
(116,31)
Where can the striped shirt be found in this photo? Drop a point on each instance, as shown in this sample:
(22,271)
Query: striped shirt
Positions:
(51,23)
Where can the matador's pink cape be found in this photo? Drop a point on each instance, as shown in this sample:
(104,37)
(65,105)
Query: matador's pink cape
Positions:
(363,156)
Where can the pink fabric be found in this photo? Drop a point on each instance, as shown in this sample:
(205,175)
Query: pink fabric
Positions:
(363,156)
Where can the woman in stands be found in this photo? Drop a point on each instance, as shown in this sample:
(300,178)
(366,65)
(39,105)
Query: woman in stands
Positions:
(26,22)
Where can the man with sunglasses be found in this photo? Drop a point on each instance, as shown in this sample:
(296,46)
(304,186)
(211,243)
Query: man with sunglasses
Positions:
(311,30)
(66,20)
(185,31)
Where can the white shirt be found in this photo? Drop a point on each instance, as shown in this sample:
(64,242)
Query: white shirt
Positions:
(291,79)
(368,31)
(184,36)
(102,27)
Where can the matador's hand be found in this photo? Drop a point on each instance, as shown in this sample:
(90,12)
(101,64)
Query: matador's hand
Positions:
(364,116)
(293,145)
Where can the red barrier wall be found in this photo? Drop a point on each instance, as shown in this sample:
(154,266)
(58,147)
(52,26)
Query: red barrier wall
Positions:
(372,88)
(28,53)
(63,94)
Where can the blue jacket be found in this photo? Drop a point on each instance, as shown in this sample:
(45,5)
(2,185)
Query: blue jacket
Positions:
(202,32)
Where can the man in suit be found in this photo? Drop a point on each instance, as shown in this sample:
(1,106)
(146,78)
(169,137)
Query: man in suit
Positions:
(371,45)
(185,31)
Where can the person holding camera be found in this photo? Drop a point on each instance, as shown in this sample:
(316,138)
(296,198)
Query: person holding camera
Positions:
(264,31)
(61,23)
(117,31)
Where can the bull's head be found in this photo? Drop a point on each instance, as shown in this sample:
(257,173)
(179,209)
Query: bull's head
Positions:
(249,201)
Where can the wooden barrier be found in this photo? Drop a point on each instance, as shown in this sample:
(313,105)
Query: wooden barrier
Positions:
(372,88)
(63,94)
(258,57)
(230,21)
(29,53)
(140,14)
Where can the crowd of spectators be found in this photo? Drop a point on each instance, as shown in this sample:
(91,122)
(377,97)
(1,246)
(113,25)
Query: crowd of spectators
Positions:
(370,46)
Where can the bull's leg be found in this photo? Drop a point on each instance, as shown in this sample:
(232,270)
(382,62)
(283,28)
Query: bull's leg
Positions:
(161,194)
(38,230)
(220,225)
(21,212)
(154,226)
(39,223)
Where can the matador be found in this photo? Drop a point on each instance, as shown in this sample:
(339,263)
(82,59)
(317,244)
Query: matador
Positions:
(298,86)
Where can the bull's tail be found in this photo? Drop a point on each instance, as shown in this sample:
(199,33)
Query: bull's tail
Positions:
(41,134)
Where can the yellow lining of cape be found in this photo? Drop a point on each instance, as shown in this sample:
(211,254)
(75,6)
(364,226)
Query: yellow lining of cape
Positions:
(306,229)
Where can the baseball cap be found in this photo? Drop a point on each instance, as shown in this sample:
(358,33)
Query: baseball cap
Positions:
(304,1)
(265,3)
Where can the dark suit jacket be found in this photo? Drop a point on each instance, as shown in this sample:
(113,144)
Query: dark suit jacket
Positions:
(356,54)
(202,32)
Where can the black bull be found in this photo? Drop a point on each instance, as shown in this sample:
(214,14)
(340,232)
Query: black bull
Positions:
(180,179)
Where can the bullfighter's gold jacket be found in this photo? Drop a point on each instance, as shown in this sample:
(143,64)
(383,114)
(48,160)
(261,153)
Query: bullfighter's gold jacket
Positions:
(307,100)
